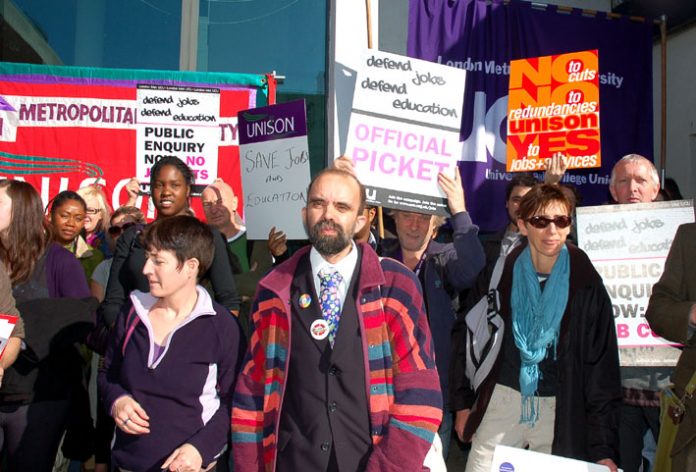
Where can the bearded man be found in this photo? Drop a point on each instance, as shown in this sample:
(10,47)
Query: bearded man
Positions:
(340,372)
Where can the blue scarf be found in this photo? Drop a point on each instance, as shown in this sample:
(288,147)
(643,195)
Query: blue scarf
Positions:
(536,322)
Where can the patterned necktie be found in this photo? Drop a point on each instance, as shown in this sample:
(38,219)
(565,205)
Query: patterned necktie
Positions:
(330,303)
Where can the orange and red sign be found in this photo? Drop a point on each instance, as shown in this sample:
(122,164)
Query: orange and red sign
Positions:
(553,110)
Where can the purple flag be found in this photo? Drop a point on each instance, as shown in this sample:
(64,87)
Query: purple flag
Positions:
(483,36)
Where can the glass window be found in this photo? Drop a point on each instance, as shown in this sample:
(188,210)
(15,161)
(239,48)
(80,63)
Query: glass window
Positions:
(137,34)
(262,36)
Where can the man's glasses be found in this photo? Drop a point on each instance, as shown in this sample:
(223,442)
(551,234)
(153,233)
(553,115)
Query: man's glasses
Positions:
(117,230)
(542,222)
(208,205)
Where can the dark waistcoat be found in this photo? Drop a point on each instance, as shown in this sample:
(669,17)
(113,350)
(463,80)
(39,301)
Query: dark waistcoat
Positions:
(324,422)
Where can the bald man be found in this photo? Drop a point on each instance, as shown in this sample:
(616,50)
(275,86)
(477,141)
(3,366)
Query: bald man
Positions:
(249,261)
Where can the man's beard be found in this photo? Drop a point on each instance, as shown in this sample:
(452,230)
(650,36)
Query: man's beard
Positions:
(328,245)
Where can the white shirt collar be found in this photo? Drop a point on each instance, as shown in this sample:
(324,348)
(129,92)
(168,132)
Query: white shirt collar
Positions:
(239,234)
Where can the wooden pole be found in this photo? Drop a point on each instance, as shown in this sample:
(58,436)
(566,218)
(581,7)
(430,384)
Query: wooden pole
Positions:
(368,14)
(663,98)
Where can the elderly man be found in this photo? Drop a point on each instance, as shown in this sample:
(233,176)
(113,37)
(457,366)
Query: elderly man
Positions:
(672,314)
(340,372)
(444,270)
(634,179)
(249,260)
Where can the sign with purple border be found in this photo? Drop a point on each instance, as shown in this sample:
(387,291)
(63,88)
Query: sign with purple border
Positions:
(275,171)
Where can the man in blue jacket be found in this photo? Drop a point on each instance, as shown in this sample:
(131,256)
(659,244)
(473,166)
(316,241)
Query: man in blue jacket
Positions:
(444,270)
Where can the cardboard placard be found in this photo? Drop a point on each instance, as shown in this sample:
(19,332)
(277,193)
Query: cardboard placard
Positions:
(404,130)
(553,110)
(274,158)
(512,459)
(628,245)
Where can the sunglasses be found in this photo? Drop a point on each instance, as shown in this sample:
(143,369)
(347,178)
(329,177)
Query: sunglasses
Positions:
(542,222)
(117,230)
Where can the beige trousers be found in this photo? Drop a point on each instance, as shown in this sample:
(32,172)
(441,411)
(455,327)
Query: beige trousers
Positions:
(501,426)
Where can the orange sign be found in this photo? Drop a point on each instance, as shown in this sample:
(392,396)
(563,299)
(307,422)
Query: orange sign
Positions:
(553,109)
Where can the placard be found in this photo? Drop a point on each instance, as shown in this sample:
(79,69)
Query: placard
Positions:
(628,245)
(553,110)
(275,168)
(7,324)
(512,459)
(404,130)
(177,121)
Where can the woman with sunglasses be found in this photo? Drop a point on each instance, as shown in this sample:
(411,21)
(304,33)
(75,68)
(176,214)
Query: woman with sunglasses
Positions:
(555,387)
(123,218)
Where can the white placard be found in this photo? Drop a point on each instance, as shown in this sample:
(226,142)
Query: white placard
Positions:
(274,156)
(7,324)
(183,122)
(404,129)
(512,459)
(271,171)
(628,245)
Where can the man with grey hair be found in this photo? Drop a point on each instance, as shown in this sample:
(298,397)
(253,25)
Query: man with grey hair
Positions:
(634,179)
(444,270)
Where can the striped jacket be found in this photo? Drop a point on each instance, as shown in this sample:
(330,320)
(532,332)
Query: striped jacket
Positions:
(403,389)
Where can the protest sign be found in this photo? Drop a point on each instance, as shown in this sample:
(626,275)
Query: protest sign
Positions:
(275,168)
(553,110)
(628,245)
(404,130)
(512,459)
(7,324)
(181,122)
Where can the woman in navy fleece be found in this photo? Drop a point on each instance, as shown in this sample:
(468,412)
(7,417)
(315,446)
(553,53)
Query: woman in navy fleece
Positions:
(170,369)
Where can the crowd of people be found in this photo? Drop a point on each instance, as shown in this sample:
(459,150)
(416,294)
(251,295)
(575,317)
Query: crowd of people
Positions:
(212,352)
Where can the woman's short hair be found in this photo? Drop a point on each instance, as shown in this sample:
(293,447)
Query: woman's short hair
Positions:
(187,237)
(539,197)
(97,192)
(27,236)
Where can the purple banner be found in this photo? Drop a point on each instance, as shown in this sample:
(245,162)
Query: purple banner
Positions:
(281,121)
(482,36)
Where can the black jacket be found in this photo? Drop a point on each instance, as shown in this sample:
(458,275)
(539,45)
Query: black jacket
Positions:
(588,395)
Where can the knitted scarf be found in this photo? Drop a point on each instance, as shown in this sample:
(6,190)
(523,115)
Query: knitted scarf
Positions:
(536,322)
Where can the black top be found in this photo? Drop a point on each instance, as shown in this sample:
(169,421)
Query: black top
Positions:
(510,367)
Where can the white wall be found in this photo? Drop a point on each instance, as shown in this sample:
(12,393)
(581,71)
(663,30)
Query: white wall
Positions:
(681,108)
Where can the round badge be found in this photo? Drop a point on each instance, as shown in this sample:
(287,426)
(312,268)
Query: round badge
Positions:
(319,329)
(305,300)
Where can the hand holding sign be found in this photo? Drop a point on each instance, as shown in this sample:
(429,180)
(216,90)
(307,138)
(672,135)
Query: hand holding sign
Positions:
(555,169)
(454,191)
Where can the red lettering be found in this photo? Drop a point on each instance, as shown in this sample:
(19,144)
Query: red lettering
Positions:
(584,142)
(622,330)
(521,145)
